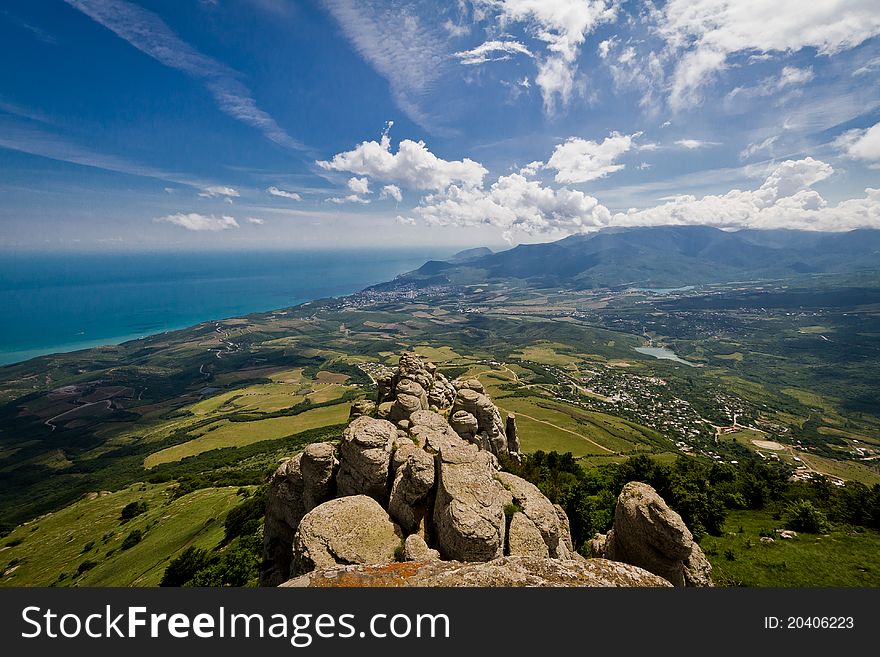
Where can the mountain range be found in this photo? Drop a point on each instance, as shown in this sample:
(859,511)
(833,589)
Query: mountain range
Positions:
(655,257)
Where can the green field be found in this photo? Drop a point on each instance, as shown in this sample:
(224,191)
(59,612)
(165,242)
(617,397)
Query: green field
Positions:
(800,562)
(235,434)
(54,544)
(552,426)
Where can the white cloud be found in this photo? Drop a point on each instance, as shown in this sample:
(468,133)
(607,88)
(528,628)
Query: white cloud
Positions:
(694,144)
(861,144)
(293,196)
(514,203)
(759,147)
(404,50)
(492,51)
(531,168)
(789,76)
(785,200)
(563,26)
(255,221)
(868,67)
(359,185)
(644,166)
(391,191)
(412,166)
(200,222)
(580,160)
(148,33)
(405,221)
(709,31)
(351,198)
(214,191)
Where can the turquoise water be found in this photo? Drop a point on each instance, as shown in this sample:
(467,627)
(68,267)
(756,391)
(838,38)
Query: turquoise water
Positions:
(63,302)
(663,353)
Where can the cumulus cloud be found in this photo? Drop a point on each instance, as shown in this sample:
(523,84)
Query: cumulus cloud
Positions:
(293,196)
(359,185)
(790,76)
(492,51)
(580,160)
(785,200)
(391,191)
(255,221)
(200,222)
(861,144)
(218,190)
(412,166)
(709,31)
(563,25)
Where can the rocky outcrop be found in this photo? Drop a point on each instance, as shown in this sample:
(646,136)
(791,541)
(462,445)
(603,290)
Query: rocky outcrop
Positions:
(413,480)
(348,530)
(539,513)
(415,385)
(469,522)
(361,407)
(431,491)
(648,534)
(365,458)
(512,437)
(284,510)
(318,465)
(501,572)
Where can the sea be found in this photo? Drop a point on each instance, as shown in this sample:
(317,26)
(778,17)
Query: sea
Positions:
(59,302)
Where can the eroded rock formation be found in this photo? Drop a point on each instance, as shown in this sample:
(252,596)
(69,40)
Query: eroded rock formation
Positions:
(648,534)
(412,485)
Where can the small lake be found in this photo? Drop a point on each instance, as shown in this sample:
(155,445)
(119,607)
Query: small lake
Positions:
(663,354)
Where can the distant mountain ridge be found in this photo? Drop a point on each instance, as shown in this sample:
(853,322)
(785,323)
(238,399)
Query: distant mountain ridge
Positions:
(663,256)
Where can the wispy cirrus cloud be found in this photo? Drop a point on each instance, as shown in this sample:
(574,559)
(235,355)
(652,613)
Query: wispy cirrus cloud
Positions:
(147,32)
(403,49)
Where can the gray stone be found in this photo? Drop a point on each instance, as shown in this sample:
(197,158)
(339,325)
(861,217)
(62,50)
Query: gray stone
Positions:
(415,549)
(284,511)
(413,480)
(469,522)
(318,465)
(524,538)
(648,534)
(365,458)
(347,530)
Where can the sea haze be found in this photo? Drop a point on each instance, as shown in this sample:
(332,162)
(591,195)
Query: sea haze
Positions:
(63,302)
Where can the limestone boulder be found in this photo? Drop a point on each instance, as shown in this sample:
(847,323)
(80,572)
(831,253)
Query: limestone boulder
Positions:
(284,511)
(538,509)
(347,530)
(468,520)
(365,458)
(524,538)
(318,465)
(415,549)
(413,480)
(361,407)
(648,534)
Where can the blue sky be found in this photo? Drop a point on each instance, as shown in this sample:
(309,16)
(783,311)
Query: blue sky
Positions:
(320,123)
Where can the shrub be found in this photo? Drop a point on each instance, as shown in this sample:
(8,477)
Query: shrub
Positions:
(132,510)
(183,567)
(132,539)
(802,516)
(85,566)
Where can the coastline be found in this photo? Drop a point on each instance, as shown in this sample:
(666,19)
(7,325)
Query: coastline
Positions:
(82,307)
